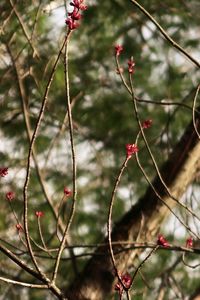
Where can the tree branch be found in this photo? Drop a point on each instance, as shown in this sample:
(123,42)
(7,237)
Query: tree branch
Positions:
(96,280)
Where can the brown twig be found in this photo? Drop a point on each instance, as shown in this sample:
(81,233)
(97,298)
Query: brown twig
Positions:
(193,111)
(70,121)
(33,138)
(164,33)
(35,52)
(24,284)
(109,219)
(154,161)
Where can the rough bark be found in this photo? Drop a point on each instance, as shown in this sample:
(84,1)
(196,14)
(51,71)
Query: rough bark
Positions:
(96,280)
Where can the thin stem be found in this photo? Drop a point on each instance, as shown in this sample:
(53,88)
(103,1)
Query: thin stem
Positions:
(145,100)
(151,154)
(159,197)
(23,97)
(25,284)
(109,227)
(36,19)
(193,111)
(128,295)
(59,214)
(23,265)
(70,121)
(25,189)
(188,265)
(143,262)
(164,33)
(35,52)
(42,238)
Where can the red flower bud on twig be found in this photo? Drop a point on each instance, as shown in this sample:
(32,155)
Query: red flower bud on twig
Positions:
(146,124)
(3,172)
(19,227)
(189,242)
(39,214)
(67,192)
(118,50)
(161,241)
(131,149)
(126,280)
(75,15)
(131,65)
(10,196)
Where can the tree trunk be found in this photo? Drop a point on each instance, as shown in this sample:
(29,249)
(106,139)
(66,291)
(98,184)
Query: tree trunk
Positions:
(96,280)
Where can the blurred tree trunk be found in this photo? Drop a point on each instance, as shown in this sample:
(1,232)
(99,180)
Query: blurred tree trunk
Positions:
(144,219)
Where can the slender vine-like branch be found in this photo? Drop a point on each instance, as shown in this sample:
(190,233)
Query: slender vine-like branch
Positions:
(143,262)
(24,284)
(152,156)
(42,238)
(35,52)
(70,122)
(34,135)
(23,265)
(164,33)
(135,99)
(29,132)
(36,19)
(193,111)
(162,103)
(109,227)
(160,198)
(188,265)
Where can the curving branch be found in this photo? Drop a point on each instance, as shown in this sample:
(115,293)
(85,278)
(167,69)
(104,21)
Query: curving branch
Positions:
(97,278)
(164,33)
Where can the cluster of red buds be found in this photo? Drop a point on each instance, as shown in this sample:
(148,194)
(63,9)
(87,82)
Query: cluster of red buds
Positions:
(131,149)
(189,242)
(67,192)
(39,214)
(3,172)
(19,227)
(118,50)
(126,280)
(10,196)
(131,62)
(146,124)
(161,241)
(131,65)
(75,15)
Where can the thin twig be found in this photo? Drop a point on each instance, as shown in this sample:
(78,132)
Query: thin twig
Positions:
(188,265)
(135,99)
(160,198)
(36,19)
(25,284)
(35,52)
(143,262)
(42,238)
(164,33)
(70,121)
(26,183)
(153,159)
(109,229)
(162,103)
(193,111)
